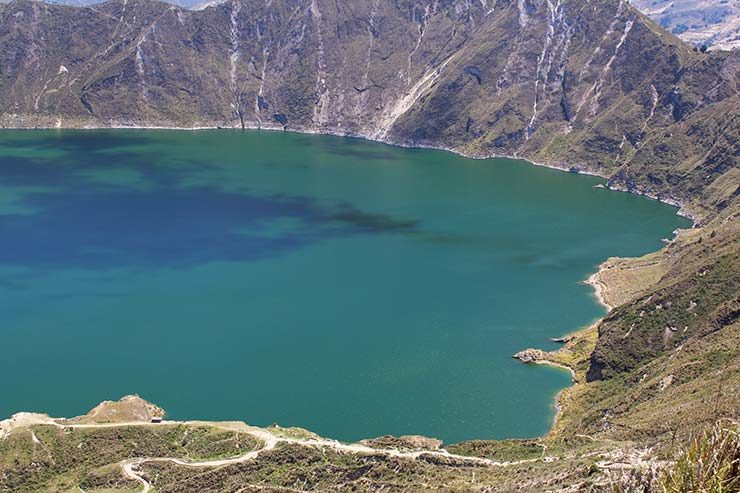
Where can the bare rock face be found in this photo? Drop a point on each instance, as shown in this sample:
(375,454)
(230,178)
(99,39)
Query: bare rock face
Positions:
(130,408)
(593,86)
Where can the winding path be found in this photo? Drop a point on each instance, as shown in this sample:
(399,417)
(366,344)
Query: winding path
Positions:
(269,441)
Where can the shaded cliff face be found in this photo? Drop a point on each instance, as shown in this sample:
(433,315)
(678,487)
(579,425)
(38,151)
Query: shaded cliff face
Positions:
(591,85)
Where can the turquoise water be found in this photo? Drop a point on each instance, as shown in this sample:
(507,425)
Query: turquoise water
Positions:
(348,287)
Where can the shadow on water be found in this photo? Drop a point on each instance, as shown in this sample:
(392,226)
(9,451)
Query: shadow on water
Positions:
(79,221)
(106,142)
(111,228)
(79,142)
(22,171)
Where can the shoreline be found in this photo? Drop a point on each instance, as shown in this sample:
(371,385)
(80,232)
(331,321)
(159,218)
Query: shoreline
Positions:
(682,211)
(599,286)
(553,364)
(594,280)
(533,356)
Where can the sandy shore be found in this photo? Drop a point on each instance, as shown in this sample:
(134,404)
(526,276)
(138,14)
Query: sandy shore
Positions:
(600,287)
(548,362)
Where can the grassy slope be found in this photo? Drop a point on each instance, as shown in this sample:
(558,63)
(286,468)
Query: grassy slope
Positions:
(51,459)
(60,461)
(670,357)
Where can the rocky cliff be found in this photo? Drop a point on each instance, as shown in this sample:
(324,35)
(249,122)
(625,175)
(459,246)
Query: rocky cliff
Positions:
(593,86)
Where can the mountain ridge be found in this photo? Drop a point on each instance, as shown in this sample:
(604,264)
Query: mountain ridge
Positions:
(711,23)
(563,84)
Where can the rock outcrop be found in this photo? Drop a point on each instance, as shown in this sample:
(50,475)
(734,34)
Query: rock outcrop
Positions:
(531,355)
(130,408)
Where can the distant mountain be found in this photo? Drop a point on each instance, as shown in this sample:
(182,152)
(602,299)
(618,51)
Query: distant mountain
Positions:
(715,23)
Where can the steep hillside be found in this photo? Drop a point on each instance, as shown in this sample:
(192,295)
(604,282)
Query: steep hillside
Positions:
(714,23)
(593,86)
(666,359)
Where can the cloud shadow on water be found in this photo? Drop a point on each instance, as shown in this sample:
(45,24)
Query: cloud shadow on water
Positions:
(79,171)
(79,142)
(80,222)
(103,227)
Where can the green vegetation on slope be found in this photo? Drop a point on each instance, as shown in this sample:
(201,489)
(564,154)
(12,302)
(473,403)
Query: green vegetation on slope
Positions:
(46,458)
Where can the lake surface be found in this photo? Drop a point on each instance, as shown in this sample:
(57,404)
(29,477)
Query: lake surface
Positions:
(348,287)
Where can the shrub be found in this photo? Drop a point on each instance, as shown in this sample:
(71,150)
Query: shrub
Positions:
(710,464)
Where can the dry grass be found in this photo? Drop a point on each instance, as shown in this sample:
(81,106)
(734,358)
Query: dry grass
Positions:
(709,464)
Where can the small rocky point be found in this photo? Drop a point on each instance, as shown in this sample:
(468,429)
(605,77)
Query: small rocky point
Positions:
(128,408)
(530,355)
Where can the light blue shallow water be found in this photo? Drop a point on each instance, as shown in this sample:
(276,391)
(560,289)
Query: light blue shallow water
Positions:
(348,287)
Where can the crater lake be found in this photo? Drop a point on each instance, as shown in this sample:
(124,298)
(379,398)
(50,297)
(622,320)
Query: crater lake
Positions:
(348,287)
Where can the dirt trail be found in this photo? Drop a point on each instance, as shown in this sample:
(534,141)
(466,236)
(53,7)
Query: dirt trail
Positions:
(269,441)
